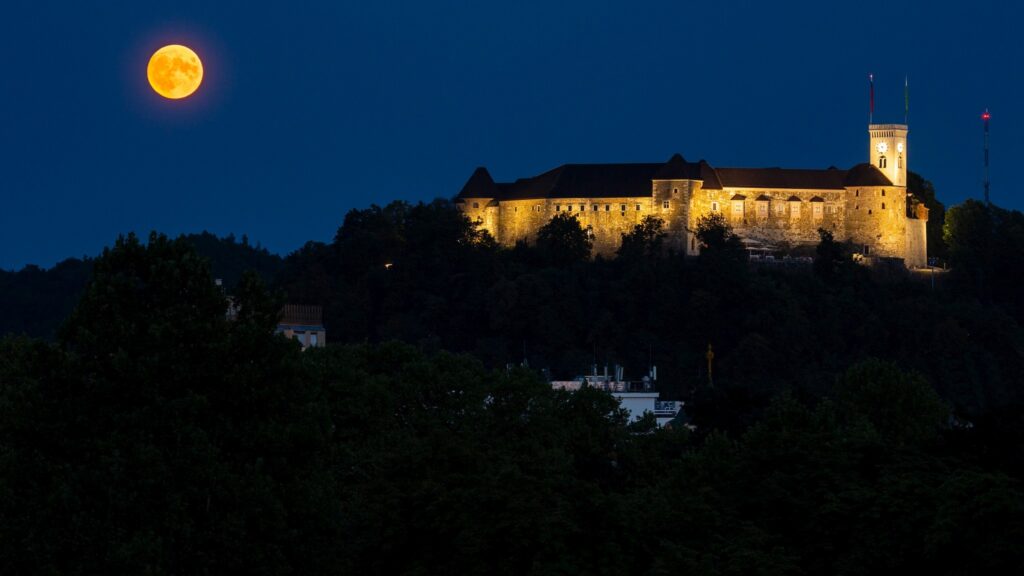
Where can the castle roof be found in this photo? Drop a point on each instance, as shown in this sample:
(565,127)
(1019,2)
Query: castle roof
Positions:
(585,181)
(781,178)
(866,175)
(479,185)
(634,180)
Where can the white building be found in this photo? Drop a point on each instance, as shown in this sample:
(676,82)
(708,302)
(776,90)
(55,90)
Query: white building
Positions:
(637,397)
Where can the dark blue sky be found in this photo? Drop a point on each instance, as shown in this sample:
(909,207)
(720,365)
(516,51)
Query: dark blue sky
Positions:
(311,109)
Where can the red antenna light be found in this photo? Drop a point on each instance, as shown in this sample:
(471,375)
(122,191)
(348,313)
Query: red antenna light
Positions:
(986,115)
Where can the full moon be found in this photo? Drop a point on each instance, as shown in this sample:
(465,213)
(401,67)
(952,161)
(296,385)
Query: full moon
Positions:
(175,72)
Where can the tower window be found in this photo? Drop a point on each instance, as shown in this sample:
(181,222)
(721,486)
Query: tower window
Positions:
(883,205)
(665,204)
(857,194)
(881,161)
(675,190)
(883,192)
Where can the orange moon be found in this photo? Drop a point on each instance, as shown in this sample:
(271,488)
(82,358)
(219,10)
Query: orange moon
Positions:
(175,72)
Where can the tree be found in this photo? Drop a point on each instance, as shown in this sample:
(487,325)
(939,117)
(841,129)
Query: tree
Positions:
(178,440)
(563,241)
(714,234)
(832,258)
(968,233)
(901,406)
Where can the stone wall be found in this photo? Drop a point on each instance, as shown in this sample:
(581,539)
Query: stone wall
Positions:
(917,243)
(877,219)
(774,217)
(871,217)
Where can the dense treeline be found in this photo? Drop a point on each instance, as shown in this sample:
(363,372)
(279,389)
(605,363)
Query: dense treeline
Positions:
(34,301)
(423,274)
(856,422)
(157,436)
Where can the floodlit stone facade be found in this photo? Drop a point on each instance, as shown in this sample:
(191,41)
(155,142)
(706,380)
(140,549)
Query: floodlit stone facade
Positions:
(771,209)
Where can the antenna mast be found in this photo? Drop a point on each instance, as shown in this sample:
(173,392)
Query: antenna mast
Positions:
(985,118)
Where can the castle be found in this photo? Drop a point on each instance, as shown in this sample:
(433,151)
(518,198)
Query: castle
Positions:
(770,209)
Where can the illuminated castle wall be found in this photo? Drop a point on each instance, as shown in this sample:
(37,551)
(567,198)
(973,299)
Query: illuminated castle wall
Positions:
(769,208)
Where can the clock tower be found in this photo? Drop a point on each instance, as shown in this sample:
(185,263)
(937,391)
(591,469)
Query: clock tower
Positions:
(888,151)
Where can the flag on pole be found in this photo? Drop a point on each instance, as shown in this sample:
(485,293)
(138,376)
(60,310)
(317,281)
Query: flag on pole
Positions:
(871,109)
(906,99)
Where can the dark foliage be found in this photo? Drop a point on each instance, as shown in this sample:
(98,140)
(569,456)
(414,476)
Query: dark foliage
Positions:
(853,426)
(34,301)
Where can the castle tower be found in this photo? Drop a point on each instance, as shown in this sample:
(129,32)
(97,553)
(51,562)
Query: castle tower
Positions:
(888,151)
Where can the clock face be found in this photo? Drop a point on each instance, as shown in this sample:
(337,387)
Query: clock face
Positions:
(882,147)
(899,147)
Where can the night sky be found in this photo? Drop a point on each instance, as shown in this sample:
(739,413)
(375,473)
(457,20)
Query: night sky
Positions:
(311,109)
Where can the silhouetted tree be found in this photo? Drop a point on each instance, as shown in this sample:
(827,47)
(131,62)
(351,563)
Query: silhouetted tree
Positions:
(644,241)
(563,241)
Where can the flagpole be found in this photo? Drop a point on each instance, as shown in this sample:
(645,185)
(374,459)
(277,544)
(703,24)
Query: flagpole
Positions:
(906,100)
(871,107)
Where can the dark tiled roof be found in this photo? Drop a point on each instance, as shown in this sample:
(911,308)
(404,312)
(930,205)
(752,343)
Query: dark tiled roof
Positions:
(817,199)
(709,175)
(677,168)
(304,315)
(634,180)
(781,178)
(738,197)
(480,185)
(866,175)
(585,181)
(764,198)
(794,199)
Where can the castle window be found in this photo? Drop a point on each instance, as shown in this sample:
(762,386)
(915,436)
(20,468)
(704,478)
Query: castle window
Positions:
(623,207)
(857,194)
(869,210)
(515,208)
(638,207)
(607,207)
(899,162)
(883,205)
(569,207)
(476,204)
(675,190)
(881,161)
(762,209)
(816,209)
(665,204)
(595,207)
(737,209)
(780,208)
(583,207)
(558,207)
(714,206)
(883,192)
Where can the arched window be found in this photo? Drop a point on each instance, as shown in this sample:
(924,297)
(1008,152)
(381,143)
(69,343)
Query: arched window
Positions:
(881,161)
